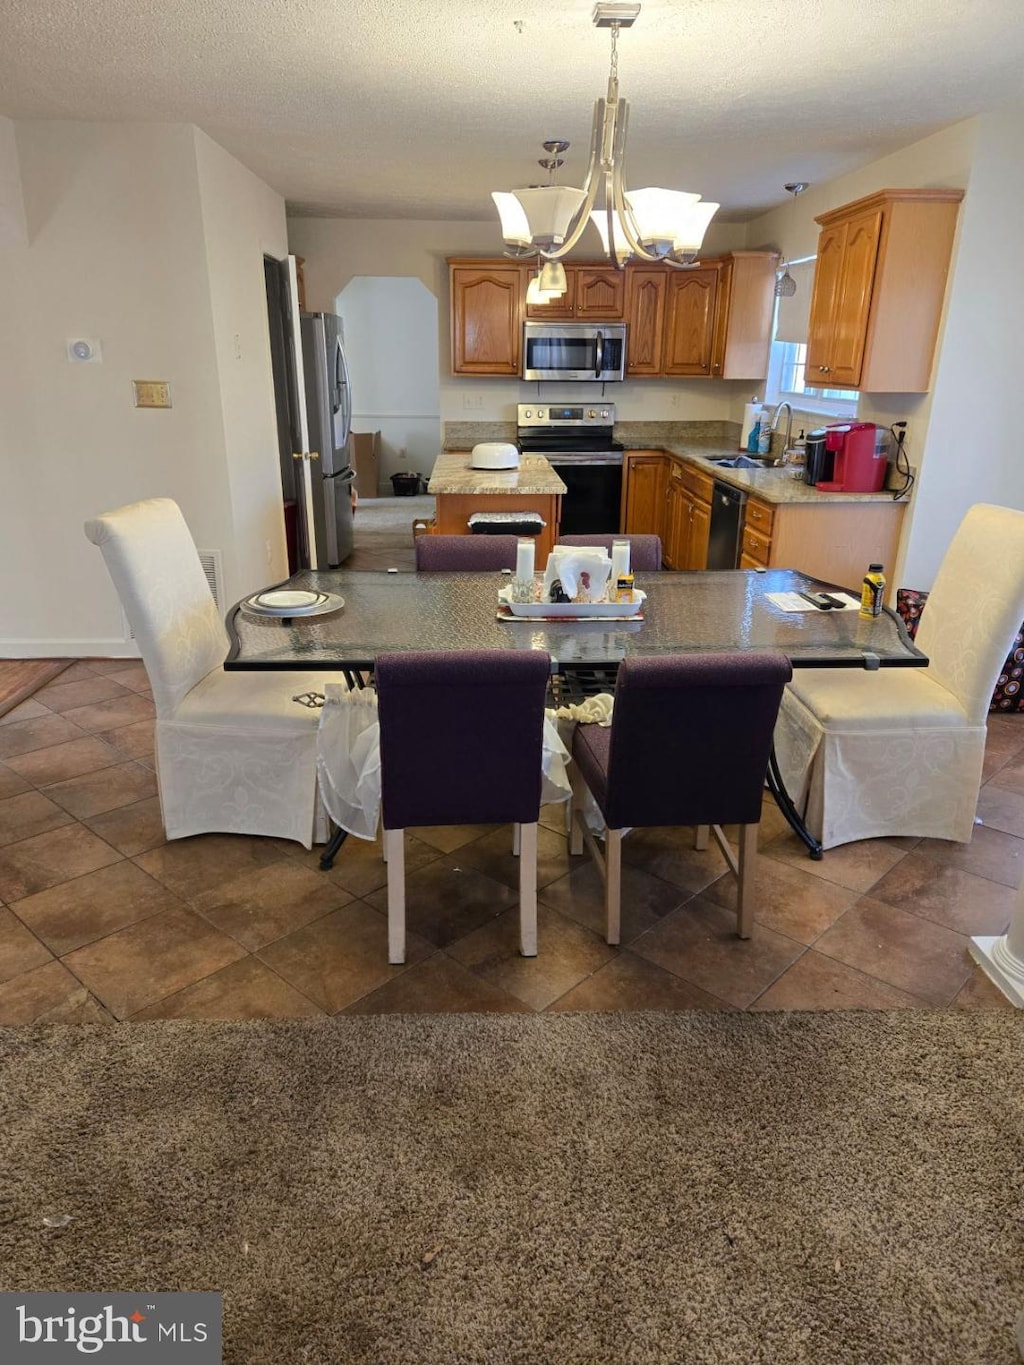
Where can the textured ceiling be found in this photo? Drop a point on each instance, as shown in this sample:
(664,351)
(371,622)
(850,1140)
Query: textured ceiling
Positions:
(419,108)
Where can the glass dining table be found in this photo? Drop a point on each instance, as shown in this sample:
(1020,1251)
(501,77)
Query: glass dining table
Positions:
(711,611)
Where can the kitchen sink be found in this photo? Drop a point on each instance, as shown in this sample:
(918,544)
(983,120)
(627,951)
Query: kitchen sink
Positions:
(740,462)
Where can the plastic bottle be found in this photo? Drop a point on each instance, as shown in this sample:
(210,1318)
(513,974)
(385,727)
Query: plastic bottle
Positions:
(872,591)
(755,431)
(764,434)
(750,414)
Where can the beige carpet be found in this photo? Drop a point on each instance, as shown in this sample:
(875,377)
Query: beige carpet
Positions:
(727,1188)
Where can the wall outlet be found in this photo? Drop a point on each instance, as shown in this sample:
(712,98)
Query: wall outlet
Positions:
(472,401)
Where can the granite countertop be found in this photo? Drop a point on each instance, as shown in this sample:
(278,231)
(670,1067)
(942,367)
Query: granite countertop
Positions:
(769,484)
(452,474)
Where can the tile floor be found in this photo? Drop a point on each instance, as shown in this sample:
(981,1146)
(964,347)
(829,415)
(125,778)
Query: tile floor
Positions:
(101,919)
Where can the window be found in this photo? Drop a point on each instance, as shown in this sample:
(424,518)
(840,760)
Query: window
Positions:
(787,383)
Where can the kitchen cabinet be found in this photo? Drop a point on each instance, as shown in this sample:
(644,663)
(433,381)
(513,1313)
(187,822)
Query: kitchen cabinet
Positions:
(687,518)
(719,317)
(487,301)
(690,321)
(834,541)
(879,285)
(594,293)
(643,492)
(713,320)
(645,313)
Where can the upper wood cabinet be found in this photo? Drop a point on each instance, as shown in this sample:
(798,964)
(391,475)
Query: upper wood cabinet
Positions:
(486,316)
(645,313)
(879,285)
(713,320)
(744,310)
(690,321)
(594,293)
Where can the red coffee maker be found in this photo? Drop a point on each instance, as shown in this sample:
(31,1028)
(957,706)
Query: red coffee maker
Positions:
(860,462)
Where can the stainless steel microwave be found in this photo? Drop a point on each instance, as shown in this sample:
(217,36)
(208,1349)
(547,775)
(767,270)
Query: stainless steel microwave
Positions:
(594,351)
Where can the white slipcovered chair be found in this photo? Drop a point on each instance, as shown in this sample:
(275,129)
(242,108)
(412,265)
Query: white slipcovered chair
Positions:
(900,750)
(235,755)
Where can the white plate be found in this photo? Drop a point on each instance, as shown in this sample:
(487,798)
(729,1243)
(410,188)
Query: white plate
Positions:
(285,602)
(287,597)
(622,611)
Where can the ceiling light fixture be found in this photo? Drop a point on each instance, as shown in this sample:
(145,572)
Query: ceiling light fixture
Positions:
(650,224)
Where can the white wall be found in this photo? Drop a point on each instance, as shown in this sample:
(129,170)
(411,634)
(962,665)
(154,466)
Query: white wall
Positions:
(118,247)
(12,201)
(243,220)
(336,249)
(391,329)
(973,446)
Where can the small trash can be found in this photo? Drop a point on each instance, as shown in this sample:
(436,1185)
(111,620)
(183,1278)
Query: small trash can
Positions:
(405,485)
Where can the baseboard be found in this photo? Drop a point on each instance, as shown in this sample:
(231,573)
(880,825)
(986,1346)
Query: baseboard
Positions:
(119,648)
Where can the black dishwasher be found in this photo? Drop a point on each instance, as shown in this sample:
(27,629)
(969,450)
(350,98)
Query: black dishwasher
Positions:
(727,504)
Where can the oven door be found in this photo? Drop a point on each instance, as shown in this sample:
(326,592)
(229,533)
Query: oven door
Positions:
(593,496)
(577,351)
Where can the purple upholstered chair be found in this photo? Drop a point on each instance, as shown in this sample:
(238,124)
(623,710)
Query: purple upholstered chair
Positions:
(466,553)
(644,551)
(688,745)
(460,743)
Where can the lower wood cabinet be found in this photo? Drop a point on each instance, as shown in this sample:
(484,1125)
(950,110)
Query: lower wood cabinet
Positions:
(643,492)
(688,523)
(833,541)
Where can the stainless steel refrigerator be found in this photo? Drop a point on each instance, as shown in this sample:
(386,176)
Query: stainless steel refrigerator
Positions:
(329,419)
(314,393)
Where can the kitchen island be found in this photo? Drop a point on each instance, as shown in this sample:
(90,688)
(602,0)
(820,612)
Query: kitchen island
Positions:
(461,491)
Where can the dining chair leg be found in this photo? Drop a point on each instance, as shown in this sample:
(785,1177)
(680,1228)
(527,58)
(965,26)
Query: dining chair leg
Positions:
(517,837)
(613,884)
(576,815)
(746,877)
(528,890)
(394,852)
(701,837)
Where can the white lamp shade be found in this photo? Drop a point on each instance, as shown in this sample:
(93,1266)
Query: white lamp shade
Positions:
(549,211)
(690,233)
(534,293)
(661,214)
(514,228)
(622,248)
(552,278)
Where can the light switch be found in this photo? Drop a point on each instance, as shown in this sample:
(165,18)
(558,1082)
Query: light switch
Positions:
(151,393)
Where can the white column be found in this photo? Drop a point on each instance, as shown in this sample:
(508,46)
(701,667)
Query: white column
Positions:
(1002,958)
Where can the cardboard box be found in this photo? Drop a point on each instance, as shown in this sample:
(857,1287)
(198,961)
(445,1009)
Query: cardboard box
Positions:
(364,456)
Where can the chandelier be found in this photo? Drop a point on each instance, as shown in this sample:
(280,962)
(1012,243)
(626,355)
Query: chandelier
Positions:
(649,225)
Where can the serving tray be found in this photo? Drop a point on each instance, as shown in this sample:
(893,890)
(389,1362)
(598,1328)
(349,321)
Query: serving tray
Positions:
(573,611)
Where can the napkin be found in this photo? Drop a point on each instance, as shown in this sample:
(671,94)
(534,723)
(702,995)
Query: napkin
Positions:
(583,572)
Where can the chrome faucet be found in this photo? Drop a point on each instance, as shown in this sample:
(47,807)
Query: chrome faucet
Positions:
(789,426)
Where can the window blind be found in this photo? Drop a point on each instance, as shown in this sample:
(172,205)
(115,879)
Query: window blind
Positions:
(795,311)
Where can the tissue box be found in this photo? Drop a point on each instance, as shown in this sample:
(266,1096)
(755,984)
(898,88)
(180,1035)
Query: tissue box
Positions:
(364,457)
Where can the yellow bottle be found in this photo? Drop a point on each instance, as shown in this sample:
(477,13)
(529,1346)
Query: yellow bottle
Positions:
(872,591)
